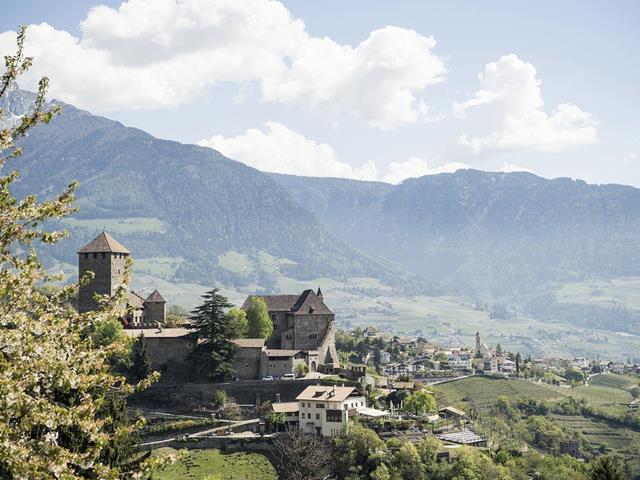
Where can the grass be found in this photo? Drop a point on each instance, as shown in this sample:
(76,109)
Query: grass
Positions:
(211,463)
(484,392)
(117,225)
(614,380)
(606,398)
(236,262)
(607,293)
(162,267)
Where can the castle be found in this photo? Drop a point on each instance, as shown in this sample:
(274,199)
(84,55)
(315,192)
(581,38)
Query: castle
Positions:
(303,326)
(107,259)
(303,332)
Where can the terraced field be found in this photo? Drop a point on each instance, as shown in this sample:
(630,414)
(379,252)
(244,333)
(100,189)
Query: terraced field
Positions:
(483,391)
(609,398)
(614,380)
(602,435)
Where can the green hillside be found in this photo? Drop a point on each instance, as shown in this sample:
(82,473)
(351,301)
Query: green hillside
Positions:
(167,200)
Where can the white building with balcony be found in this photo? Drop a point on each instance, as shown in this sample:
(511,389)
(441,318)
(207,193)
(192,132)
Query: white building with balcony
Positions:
(326,410)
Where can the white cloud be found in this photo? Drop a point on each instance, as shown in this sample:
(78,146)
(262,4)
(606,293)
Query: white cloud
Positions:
(160,53)
(512,167)
(418,167)
(279,149)
(506,113)
(630,157)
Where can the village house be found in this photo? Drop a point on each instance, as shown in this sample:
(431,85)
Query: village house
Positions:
(325,410)
(290,412)
(385,357)
(461,361)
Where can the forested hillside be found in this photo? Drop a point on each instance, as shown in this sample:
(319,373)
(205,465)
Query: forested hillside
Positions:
(186,206)
(483,232)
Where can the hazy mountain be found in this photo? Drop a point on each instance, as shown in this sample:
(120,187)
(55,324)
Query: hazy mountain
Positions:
(482,232)
(184,207)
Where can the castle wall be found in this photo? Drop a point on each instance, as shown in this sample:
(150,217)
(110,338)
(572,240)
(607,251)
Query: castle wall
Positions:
(279,321)
(246,363)
(310,330)
(169,356)
(154,312)
(108,269)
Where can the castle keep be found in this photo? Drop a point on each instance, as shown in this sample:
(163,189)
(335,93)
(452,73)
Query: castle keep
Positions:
(107,259)
(303,332)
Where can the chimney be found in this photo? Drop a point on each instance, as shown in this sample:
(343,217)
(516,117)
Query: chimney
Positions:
(319,293)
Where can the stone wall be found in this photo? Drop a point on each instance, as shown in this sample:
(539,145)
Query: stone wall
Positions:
(154,312)
(246,363)
(169,356)
(187,396)
(310,330)
(108,269)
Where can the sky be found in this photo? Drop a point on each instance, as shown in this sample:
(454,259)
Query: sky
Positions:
(365,89)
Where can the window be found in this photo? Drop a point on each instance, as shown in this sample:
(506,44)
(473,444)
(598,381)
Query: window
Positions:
(95,255)
(86,255)
(302,414)
(317,416)
(319,405)
(303,404)
(334,416)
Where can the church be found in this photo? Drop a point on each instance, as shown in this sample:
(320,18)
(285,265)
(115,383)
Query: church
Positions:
(107,259)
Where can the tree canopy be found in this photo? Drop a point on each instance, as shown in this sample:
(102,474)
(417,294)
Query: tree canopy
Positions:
(213,350)
(59,397)
(260,325)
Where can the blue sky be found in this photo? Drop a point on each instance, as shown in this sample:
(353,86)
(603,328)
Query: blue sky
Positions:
(336,116)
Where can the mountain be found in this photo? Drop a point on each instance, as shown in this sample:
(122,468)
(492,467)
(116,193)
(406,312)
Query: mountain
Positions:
(185,211)
(485,233)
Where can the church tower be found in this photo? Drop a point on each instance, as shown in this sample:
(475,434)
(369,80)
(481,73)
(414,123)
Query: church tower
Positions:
(107,259)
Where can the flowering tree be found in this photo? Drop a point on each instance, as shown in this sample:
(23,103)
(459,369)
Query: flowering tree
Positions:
(60,404)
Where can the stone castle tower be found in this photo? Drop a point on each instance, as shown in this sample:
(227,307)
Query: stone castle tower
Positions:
(107,259)
(154,309)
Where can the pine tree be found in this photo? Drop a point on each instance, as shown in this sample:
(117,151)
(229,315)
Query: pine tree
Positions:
(260,325)
(214,350)
(518,360)
(140,358)
(606,468)
(499,350)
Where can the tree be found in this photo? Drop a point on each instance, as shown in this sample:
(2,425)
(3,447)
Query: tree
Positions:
(56,382)
(406,462)
(381,473)
(303,457)
(176,315)
(213,350)
(518,360)
(140,358)
(499,350)
(357,451)
(606,468)
(260,325)
(239,324)
(301,370)
(419,403)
